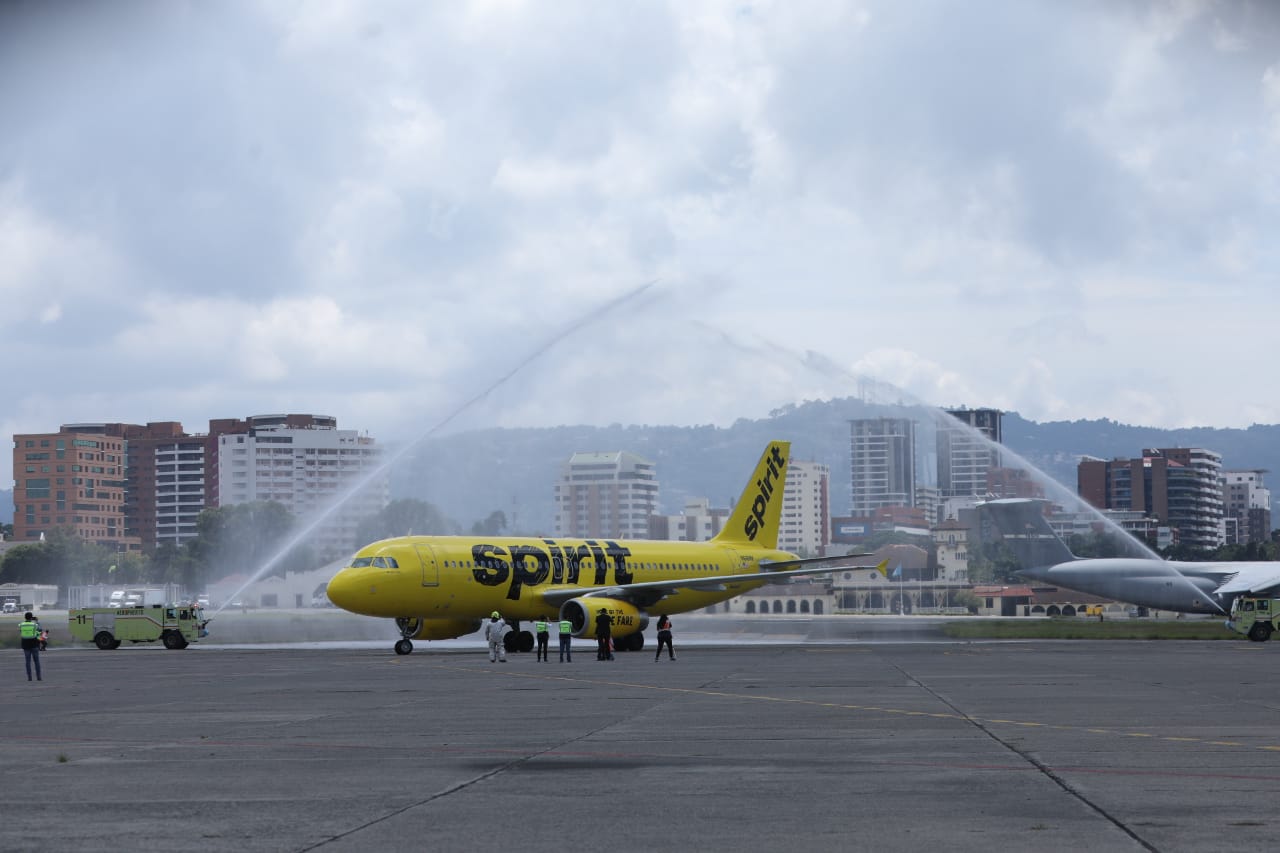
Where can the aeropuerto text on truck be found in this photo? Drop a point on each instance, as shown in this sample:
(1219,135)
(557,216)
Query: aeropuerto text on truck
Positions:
(176,625)
(1257,617)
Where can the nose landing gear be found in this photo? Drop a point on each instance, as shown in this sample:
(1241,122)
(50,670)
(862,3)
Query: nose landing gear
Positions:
(409,627)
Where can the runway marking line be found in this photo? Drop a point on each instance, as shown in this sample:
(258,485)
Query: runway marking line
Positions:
(905,712)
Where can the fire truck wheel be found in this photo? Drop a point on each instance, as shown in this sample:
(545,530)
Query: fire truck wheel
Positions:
(104,641)
(173,640)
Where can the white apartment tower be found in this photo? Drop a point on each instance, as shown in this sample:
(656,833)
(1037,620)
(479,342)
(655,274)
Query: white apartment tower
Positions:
(310,466)
(806,516)
(1246,507)
(883,463)
(606,495)
(968,447)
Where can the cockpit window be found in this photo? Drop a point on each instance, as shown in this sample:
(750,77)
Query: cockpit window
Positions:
(385,563)
(361,562)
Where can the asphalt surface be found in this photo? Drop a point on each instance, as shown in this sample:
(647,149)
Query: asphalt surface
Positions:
(1123,746)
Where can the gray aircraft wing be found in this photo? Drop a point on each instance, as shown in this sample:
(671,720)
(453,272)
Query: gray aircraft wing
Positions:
(1251,578)
(648,593)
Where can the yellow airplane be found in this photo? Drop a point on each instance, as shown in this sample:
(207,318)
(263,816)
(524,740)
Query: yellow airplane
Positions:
(438,587)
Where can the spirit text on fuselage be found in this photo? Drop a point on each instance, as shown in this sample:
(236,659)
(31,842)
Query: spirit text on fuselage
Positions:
(529,565)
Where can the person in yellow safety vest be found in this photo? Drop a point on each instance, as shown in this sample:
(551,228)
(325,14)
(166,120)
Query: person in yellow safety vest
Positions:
(29,630)
(540,628)
(566,641)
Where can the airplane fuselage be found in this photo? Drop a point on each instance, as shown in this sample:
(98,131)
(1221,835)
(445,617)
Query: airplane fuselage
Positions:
(446,576)
(1159,584)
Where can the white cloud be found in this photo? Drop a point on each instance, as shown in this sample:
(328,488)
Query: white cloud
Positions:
(375,210)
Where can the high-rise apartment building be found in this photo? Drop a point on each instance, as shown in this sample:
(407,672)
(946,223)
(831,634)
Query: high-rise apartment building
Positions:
(137,486)
(805,525)
(1246,507)
(73,479)
(967,450)
(883,464)
(311,467)
(1179,486)
(606,495)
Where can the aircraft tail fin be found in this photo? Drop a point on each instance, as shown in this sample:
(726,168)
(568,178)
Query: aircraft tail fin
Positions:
(756,516)
(1023,527)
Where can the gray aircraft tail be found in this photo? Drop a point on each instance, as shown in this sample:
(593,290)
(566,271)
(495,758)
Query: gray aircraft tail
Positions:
(1022,526)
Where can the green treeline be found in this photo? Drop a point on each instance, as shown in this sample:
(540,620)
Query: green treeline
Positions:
(239,539)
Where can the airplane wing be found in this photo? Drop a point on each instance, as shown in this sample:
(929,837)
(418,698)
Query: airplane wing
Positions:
(650,593)
(1250,579)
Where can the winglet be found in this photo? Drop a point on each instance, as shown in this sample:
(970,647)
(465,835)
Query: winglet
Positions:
(883,567)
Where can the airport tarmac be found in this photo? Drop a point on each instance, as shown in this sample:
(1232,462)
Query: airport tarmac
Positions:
(1169,746)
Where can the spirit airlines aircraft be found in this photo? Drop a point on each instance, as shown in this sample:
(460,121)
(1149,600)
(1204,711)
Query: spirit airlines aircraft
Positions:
(437,587)
(1183,587)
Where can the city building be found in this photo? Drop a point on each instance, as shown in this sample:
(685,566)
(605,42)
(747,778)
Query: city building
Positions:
(1246,507)
(805,526)
(968,448)
(698,523)
(951,546)
(606,495)
(882,464)
(1180,487)
(72,479)
(307,464)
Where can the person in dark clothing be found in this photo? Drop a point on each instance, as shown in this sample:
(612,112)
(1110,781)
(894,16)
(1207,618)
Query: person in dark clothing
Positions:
(540,628)
(604,635)
(29,630)
(664,638)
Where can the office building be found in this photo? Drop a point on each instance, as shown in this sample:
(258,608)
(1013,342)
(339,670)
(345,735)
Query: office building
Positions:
(606,495)
(72,479)
(1246,507)
(805,525)
(968,448)
(1179,487)
(307,464)
(882,463)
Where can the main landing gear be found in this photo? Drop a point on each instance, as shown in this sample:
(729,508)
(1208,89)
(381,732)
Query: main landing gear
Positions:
(409,627)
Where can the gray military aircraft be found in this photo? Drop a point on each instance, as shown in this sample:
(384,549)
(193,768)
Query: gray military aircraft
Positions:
(1179,586)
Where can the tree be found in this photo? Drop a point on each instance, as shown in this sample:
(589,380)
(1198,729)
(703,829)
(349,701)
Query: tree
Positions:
(242,539)
(405,517)
(494,525)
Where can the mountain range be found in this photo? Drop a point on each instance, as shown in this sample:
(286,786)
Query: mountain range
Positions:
(471,474)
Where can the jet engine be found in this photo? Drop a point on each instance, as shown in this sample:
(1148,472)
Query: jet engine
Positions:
(582,613)
(443,629)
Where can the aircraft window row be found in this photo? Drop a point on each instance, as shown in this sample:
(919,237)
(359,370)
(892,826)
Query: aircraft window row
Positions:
(585,564)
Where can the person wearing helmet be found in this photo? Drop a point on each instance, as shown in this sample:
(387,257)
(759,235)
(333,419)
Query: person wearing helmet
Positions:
(494,631)
(604,635)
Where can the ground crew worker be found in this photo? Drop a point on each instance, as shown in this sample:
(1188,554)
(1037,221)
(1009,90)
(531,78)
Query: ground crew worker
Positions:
(566,641)
(29,631)
(664,638)
(604,635)
(540,628)
(494,631)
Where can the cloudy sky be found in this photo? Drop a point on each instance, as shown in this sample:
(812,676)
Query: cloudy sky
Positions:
(683,212)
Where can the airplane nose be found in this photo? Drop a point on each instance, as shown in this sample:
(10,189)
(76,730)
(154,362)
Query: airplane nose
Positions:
(1039,573)
(342,590)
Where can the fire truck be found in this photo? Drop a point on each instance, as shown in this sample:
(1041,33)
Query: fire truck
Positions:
(1256,618)
(176,625)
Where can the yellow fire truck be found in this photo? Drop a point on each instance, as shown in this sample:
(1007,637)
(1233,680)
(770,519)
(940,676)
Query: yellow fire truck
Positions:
(1256,618)
(176,625)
